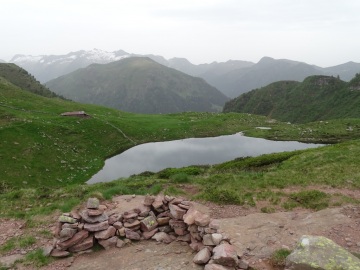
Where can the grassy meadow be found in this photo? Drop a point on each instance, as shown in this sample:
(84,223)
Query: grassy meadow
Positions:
(46,158)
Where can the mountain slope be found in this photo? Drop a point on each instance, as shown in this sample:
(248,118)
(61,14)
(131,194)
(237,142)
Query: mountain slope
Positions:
(2,61)
(138,84)
(21,78)
(316,98)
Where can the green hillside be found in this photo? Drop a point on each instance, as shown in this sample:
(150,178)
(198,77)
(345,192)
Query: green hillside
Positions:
(140,85)
(21,78)
(40,147)
(316,98)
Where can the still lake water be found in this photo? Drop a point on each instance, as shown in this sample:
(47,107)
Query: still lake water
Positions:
(195,151)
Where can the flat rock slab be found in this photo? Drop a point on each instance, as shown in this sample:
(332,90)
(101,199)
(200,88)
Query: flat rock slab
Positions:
(142,255)
(260,234)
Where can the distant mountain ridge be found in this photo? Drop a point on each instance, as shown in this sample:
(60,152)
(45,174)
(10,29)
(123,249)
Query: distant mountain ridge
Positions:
(141,85)
(316,98)
(232,78)
(2,61)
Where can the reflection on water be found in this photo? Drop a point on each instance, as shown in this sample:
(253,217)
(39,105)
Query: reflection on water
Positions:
(200,151)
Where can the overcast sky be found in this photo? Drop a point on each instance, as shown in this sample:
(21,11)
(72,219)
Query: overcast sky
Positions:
(321,32)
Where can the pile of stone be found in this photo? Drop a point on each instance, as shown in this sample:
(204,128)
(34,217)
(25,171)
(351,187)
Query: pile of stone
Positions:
(162,218)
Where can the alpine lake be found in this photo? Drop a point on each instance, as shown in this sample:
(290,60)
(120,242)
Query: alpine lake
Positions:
(194,151)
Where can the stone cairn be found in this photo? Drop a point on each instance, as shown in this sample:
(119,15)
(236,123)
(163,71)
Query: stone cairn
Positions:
(162,218)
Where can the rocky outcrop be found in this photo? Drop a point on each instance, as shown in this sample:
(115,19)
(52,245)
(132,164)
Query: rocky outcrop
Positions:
(162,218)
(320,253)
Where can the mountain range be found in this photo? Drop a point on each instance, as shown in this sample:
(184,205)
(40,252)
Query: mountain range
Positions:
(141,85)
(316,98)
(232,78)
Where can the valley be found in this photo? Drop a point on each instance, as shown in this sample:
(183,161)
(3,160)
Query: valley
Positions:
(46,158)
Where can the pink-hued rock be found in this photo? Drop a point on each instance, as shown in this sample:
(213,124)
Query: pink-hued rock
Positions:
(202,257)
(94,212)
(135,224)
(95,227)
(109,243)
(165,229)
(118,225)
(148,224)
(202,219)
(162,237)
(120,243)
(180,231)
(85,216)
(132,235)
(83,245)
(59,253)
(177,223)
(66,234)
(183,206)
(115,218)
(158,202)
(144,211)
(176,212)
(195,245)
(189,217)
(106,234)
(79,236)
(163,221)
(214,224)
(214,266)
(207,240)
(225,254)
(148,235)
(130,215)
(148,200)
(184,238)
(176,201)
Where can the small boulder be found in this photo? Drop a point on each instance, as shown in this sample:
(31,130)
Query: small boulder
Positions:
(132,235)
(225,254)
(78,237)
(66,234)
(106,234)
(148,224)
(109,243)
(202,257)
(67,219)
(176,212)
(202,219)
(59,253)
(162,237)
(95,227)
(318,252)
(93,219)
(83,245)
(92,203)
(148,235)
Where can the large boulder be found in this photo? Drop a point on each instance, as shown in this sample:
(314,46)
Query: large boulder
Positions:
(320,253)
